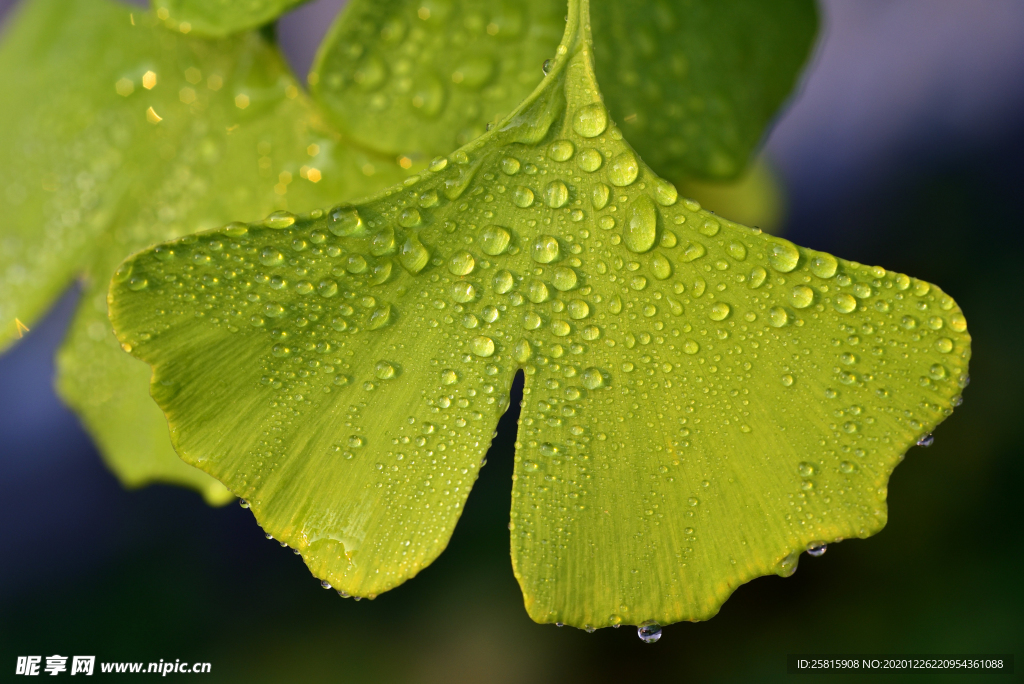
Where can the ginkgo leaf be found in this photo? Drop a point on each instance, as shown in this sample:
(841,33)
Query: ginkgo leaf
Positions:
(694,83)
(219,18)
(119,134)
(702,403)
(422,77)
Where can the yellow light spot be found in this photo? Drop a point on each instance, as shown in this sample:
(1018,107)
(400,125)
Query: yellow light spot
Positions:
(241,101)
(22,328)
(124,87)
(313,150)
(184,27)
(369,169)
(404,162)
(214,82)
(284,177)
(152,117)
(492,29)
(162,13)
(303,171)
(423,13)
(631,117)
(313,175)
(193,75)
(313,78)
(291,92)
(131,17)
(149,80)
(457,77)
(281,189)
(232,129)
(187,95)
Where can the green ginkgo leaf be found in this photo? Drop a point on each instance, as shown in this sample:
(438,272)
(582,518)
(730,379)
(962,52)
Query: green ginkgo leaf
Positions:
(118,134)
(703,402)
(219,18)
(694,83)
(422,77)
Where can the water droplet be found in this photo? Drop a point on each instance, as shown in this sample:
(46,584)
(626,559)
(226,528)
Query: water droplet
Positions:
(243,503)
(719,311)
(279,219)
(325,584)
(649,632)
(532,321)
(271,257)
(522,196)
(544,249)
(757,277)
(561,150)
(384,370)
(709,227)
(694,251)
(824,265)
(523,351)
(556,194)
(590,120)
(589,160)
(926,440)
(665,193)
(640,226)
(564,279)
(778,317)
(957,322)
(847,467)
(494,240)
(801,297)
(510,166)
(599,196)
(783,256)
(691,347)
(660,267)
(844,303)
(816,548)
(592,379)
(787,380)
(482,346)
(463,292)
(449,377)
(537,292)
(414,256)
(383,242)
(560,328)
(944,345)
(805,469)
(438,164)
(503,282)
(344,221)
(461,263)
(410,218)
(623,169)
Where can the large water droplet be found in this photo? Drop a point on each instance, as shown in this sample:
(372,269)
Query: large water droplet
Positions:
(649,632)
(589,160)
(494,240)
(537,292)
(522,196)
(801,297)
(271,257)
(816,548)
(503,282)
(482,346)
(783,256)
(544,249)
(844,303)
(461,263)
(561,150)
(641,225)
(344,221)
(578,309)
(623,169)
(719,311)
(599,196)
(384,370)
(778,317)
(556,194)
(824,265)
(590,120)
(592,379)
(463,292)
(414,256)
(279,219)
(660,267)
(564,278)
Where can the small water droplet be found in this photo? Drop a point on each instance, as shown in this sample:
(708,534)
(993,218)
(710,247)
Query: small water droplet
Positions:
(778,317)
(279,219)
(719,311)
(926,440)
(787,380)
(805,469)
(494,240)
(325,584)
(384,370)
(649,632)
(344,221)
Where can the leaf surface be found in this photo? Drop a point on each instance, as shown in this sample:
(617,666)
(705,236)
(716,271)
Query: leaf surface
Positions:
(155,135)
(421,77)
(219,18)
(694,83)
(703,402)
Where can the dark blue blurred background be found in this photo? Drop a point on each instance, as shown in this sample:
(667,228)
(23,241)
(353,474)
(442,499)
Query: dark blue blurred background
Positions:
(903,148)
